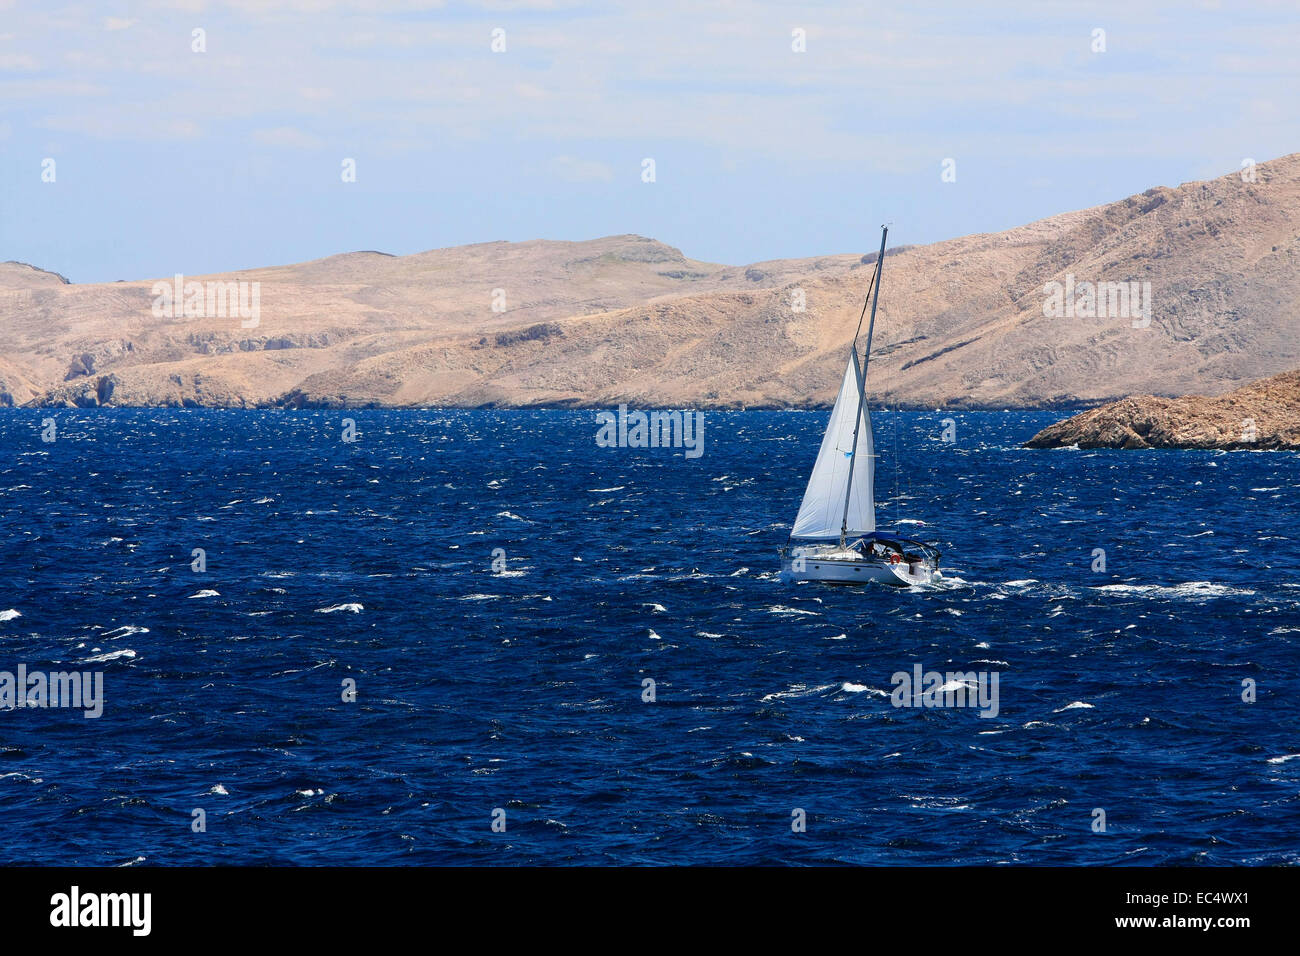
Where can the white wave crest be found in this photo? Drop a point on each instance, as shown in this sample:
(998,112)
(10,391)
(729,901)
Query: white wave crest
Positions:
(124,654)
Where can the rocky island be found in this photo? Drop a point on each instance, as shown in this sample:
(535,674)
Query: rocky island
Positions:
(1262,415)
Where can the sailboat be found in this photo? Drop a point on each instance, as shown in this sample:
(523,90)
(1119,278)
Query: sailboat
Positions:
(834,538)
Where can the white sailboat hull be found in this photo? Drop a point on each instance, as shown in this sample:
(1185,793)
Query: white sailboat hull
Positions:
(828,570)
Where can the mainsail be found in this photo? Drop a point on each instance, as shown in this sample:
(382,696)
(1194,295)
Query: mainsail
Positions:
(822,511)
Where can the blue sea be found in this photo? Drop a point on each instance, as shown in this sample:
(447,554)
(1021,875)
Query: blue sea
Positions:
(497,592)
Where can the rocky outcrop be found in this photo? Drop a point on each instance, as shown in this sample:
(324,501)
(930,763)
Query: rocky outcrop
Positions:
(534,333)
(21,274)
(1264,415)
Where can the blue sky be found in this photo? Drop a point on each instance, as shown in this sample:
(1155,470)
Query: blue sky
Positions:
(168,160)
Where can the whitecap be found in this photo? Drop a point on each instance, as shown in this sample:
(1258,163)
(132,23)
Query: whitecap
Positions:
(954,685)
(1193,590)
(125,654)
(798,690)
(354,608)
(204,593)
(1076,705)
(126,630)
(9,615)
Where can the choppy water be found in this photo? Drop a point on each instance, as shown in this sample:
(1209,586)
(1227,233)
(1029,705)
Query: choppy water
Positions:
(522,690)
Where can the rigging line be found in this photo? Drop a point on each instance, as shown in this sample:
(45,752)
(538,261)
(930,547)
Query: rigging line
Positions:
(895,450)
(865,303)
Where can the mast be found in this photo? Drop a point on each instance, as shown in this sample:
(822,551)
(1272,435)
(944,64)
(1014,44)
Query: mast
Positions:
(862,393)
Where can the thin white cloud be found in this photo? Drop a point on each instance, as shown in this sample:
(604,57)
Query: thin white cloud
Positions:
(18,62)
(575,170)
(289,137)
(49,89)
(126,124)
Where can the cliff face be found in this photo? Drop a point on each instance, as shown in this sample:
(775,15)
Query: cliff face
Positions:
(1197,289)
(1263,415)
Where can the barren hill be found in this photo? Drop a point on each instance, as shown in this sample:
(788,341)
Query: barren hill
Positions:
(624,318)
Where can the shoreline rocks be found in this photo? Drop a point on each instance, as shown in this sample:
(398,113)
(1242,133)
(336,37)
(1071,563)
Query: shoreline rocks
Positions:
(1263,415)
